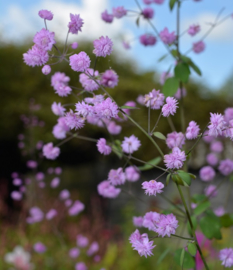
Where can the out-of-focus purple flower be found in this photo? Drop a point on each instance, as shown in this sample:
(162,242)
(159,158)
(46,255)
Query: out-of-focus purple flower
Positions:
(39,247)
(228,115)
(51,214)
(132,173)
(68,202)
(150,220)
(147,40)
(82,241)
(226,256)
(80,266)
(166,37)
(130,144)
(109,78)
(192,130)
(74,253)
(32,164)
(154,99)
(59,81)
(119,12)
(102,147)
(198,47)
(16,195)
(45,14)
(220,211)
(75,24)
(116,177)
(167,225)
(216,146)
(126,45)
(36,215)
(107,190)
(102,46)
(194,29)
(46,69)
(175,160)
(179,92)
(55,182)
(64,194)
(211,191)
(50,152)
(212,159)
(226,167)
(74,45)
(138,221)
(207,173)
(58,170)
(175,139)
(76,208)
(94,247)
(108,18)
(40,176)
(113,128)
(88,83)
(58,109)
(152,187)
(14,175)
(148,13)
(17,182)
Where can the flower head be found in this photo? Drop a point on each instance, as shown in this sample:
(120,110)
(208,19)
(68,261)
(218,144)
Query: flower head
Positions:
(194,29)
(59,81)
(107,190)
(44,39)
(175,139)
(119,12)
(150,220)
(82,241)
(137,221)
(167,225)
(216,146)
(80,62)
(154,99)
(130,144)
(152,187)
(75,24)
(94,247)
(76,208)
(103,46)
(166,37)
(88,83)
(35,56)
(108,18)
(45,14)
(74,121)
(106,109)
(109,78)
(176,159)
(116,177)
(226,256)
(198,46)
(58,109)
(132,173)
(217,124)
(211,191)
(50,152)
(39,247)
(51,214)
(207,173)
(46,69)
(226,167)
(170,107)
(212,159)
(148,13)
(192,130)
(147,40)
(103,148)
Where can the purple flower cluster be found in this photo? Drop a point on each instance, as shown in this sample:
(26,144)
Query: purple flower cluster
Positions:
(192,130)
(175,139)
(166,37)
(194,29)
(75,24)
(152,187)
(170,107)
(50,152)
(147,40)
(154,99)
(59,81)
(198,46)
(175,160)
(103,46)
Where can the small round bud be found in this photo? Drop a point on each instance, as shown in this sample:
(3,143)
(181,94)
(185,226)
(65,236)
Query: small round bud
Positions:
(46,69)
(74,45)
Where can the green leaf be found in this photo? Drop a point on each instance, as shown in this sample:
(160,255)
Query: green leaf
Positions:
(226,220)
(116,148)
(172,4)
(174,53)
(182,257)
(170,86)
(182,72)
(192,249)
(150,164)
(202,207)
(128,107)
(137,21)
(193,176)
(210,226)
(194,222)
(177,179)
(185,177)
(198,198)
(190,62)
(168,179)
(162,256)
(231,178)
(162,57)
(188,259)
(159,135)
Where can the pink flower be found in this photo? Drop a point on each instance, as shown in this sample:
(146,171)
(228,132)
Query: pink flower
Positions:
(83,109)
(88,83)
(103,46)
(141,243)
(116,177)
(106,109)
(226,167)
(74,253)
(39,247)
(220,211)
(36,215)
(130,144)
(45,14)
(59,81)
(150,220)
(166,37)
(35,56)
(119,12)
(113,128)
(32,164)
(16,195)
(192,130)
(217,124)
(211,191)
(175,139)
(80,62)
(148,13)
(74,45)
(212,159)
(75,23)
(226,256)
(94,247)
(194,29)
(108,18)
(170,107)
(132,174)
(46,69)
(17,182)
(129,103)
(76,208)
(137,221)
(58,109)
(59,130)
(109,78)
(50,152)
(103,148)
(80,266)
(198,46)
(228,115)
(82,241)
(154,99)
(74,121)
(176,159)
(147,40)
(64,194)
(167,225)
(216,146)
(51,214)
(107,190)
(44,39)
(207,173)
(152,187)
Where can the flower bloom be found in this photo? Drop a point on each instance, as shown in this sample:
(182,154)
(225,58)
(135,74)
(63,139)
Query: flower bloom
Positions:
(226,256)
(60,129)
(45,14)
(119,12)
(75,24)
(88,83)
(59,81)
(108,18)
(141,243)
(74,121)
(198,46)
(148,13)
(80,62)
(212,159)
(103,46)
(46,69)
(103,148)
(228,115)
(76,208)
(109,78)
(194,29)
(39,247)
(226,167)
(167,225)
(175,139)
(107,190)
(58,109)
(74,253)
(64,194)
(152,187)
(166,37)
(192,130)
(132,174)
(94,247)
(50,152)
(51,214)
(35,56)
(44,39)
(211,191)
(113,128)
(137,221)
(74,45)
(106,109)
(170,107)
(154,99)
(176,159)
(150,220)
(80,266)
(207,173)
(130,144)
(216,146)
(16,195)
(217,124)
(36,215)
(82,241)
(147,40)
(116,177)
(220,211)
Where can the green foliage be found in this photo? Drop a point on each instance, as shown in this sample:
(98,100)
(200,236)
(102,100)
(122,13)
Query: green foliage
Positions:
(192,249)
(159,135)
(210,226)
(150,164)
(170,86)
(188,261)
(182,72)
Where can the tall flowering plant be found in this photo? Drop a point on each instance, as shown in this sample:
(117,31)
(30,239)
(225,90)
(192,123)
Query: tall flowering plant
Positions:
(102,110)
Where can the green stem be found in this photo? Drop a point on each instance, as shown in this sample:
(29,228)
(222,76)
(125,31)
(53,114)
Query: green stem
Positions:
(181,237)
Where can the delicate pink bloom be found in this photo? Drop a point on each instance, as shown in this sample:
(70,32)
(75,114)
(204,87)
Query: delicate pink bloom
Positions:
(192,130)
(132,173)
(113,128)
(94,247)
(167,225)
(154,99)
(220,211)
(193,205)
(130,144)
(140,99)
(50,152)
(103,148)
(58,109)
(119,12)
(226,167)
(88,83)
(40,176)
(75,24)
(39,247)
(35,56)
(80,266)
(207,173)
(228,115)
(82,241)
(152,187)
(64,194)
(76,208)
(106,109)
(175,139)
(32,164)
(59,130)
(165,75)
(207,138)
(45,14)
(59,81)
(103,46)
(36,215)
(216,146)
(68,202)
(17,182)
(108,18)
(148,13)
(74,45)
(116,177)
(16,195)
(51,214)
(170,107)
(211,191)
(41,184)
(217,124)
(179,92)
(44,39)
(107,190)
(198,46)
(150,220)
(46,69)
(74,253)
(194,29)
(147,40)
(141,243)
(84,109)
(138,221)
(109,78)
(166,37)
(226,256)
(74,121)
(80,62)
(212,159)
(176,159)
(95,99)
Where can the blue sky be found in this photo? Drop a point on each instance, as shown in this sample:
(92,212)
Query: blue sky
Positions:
(20,21)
